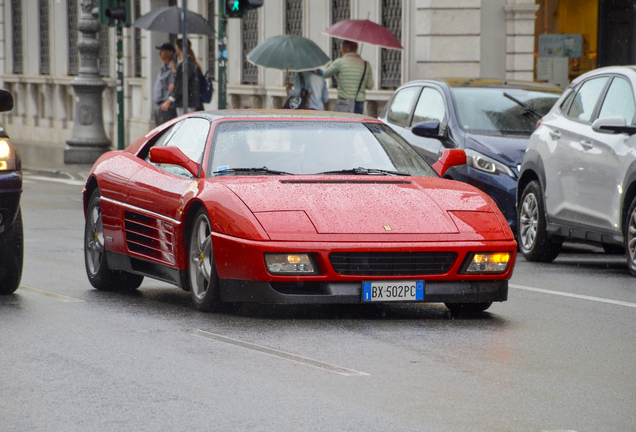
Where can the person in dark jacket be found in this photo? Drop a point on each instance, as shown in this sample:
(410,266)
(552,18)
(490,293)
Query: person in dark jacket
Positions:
(192,69)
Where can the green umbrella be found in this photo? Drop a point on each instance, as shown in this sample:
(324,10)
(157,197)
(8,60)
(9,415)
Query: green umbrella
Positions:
(288,53)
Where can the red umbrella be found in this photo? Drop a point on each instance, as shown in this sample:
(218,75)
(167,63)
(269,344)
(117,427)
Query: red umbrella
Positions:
(364,31)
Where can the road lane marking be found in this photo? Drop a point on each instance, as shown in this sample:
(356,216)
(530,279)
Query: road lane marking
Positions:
(50,295)
(280,354)
(55,180)
(579,296)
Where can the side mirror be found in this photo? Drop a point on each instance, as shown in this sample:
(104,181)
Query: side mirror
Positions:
(429,129)
(173,156)
(450,158)
(6,100)
(613,125)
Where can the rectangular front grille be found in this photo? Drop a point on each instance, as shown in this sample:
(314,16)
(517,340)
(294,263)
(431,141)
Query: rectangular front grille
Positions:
(392,263)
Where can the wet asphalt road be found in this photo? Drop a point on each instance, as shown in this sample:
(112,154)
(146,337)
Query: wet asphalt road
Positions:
(558,355)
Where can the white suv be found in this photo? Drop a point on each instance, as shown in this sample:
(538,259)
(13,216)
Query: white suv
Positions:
(578,176)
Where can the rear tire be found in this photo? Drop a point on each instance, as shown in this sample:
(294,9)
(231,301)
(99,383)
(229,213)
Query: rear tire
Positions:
(203,277)
(99,274)
(534,242)
(468,308)
(11,256)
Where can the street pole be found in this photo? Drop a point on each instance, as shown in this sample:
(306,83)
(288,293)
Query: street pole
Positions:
(184,72)
(120,86)
(222,46)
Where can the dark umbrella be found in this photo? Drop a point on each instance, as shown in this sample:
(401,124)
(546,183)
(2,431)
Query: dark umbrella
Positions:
(168,20)
(364,31)
(288,53)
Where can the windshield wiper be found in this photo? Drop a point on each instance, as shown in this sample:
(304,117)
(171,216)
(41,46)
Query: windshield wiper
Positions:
(250,170)
(525,106)
(366,171)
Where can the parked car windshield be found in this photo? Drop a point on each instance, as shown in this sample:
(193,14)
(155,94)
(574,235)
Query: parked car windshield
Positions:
(487,111)
(312,147)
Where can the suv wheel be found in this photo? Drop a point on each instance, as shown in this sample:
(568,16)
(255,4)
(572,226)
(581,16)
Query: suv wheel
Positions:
(630,238)
(534,242)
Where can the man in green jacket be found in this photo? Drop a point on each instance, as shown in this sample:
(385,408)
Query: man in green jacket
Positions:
(349,70)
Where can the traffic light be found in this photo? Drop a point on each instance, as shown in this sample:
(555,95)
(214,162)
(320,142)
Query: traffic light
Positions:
(236,8)
(111,11)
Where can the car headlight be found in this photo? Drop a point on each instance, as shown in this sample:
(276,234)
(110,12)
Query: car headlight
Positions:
(7,155)
(484,163)
(290,264)
(487,262)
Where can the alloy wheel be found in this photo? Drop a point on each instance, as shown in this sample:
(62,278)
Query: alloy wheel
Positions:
(200,257)
(94,239)
(528,221)
(631,237)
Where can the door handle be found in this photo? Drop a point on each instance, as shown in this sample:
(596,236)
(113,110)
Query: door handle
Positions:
(587,144)
(555,134)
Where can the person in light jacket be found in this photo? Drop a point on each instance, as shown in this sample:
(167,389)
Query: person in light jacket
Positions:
(315,84)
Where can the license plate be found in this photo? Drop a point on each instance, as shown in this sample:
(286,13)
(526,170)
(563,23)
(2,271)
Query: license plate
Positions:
(392,291)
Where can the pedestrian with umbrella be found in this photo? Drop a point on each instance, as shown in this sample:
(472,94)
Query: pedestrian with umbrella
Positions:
(295,54)
(191,68)
(353,73)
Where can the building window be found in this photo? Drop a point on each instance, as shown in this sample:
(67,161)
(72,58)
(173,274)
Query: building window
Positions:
(16,21)
(391,71)
(45,59)
(73,52)
(103,37)
(340,11)
(137,40)
(294,17)
(211,40)
(250,40)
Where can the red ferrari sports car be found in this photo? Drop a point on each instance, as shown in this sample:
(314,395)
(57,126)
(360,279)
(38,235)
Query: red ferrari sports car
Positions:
(292,207)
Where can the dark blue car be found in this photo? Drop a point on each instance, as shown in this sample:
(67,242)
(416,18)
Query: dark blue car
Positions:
(490,119)
(11,235)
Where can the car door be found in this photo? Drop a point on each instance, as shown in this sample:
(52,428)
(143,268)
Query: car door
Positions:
(604,160)
(563,157)
(430,107)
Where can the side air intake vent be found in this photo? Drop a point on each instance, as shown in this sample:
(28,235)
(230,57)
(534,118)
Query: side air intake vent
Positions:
(149,236)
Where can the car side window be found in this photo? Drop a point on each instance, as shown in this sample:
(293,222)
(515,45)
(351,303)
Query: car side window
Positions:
(190,136)
(619,101)
(400,108)
(584,102)
(430,107)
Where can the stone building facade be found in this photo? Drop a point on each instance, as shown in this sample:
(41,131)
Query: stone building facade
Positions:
(39,58)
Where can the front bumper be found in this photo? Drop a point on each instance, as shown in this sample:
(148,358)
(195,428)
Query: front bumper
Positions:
(234,290)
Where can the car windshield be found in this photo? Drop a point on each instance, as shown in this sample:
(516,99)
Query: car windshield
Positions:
(312,147)
(487,111)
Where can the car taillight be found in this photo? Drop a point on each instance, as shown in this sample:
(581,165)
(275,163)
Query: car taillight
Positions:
(538,123)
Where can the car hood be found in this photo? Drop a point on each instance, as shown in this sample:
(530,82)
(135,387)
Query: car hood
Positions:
(506,149)
(356,205)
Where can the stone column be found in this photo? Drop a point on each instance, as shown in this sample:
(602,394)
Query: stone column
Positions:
(520,18)
(88,139)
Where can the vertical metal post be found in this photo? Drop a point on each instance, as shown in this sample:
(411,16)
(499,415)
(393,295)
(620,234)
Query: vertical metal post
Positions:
(184,71)
(222,42)
(120,86)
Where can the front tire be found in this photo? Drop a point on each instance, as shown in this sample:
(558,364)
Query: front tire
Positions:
(11,256)
(630,238)
(203,277)
(534,242)
(99,274)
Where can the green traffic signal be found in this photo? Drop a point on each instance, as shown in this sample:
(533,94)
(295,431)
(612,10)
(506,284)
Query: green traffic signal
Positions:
(112,12)
(237,8)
